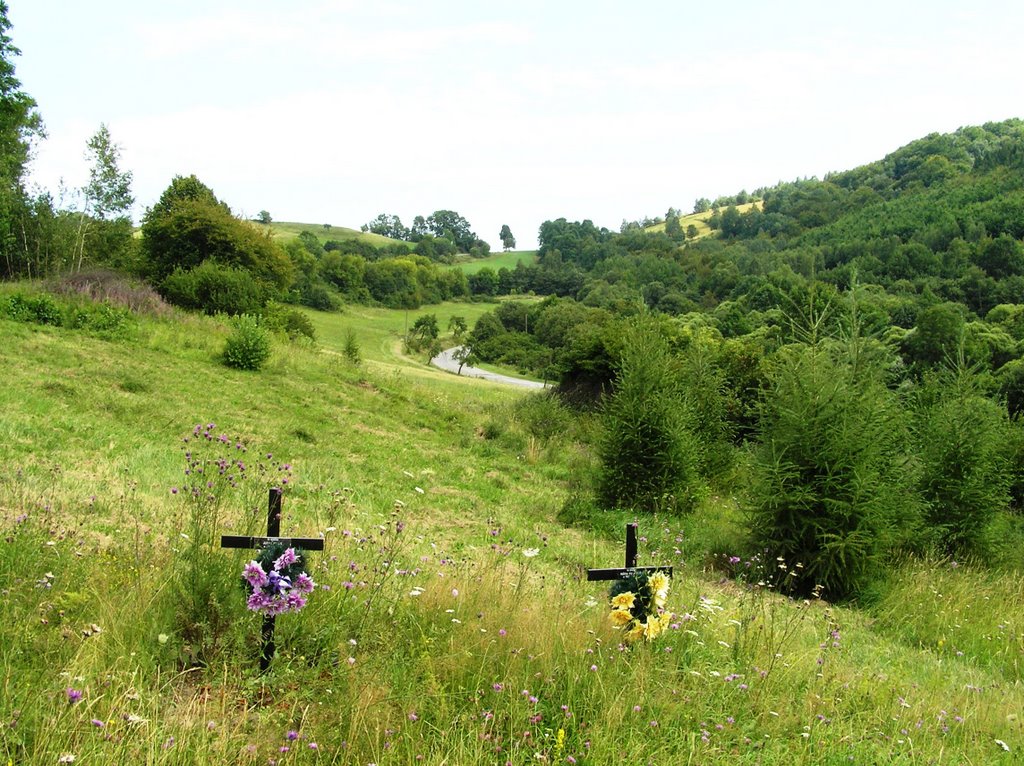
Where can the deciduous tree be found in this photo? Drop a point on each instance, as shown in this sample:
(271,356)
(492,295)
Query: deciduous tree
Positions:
(20,127)
(106,199)
(508,242)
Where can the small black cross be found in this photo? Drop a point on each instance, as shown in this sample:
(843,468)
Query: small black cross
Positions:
(273,532)
(615,574)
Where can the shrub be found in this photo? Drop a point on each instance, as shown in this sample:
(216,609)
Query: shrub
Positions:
(291,322)
(352,351)
(215,289)
(40,309)
(102,319)
(829,478)
(248,347)
(649,455)
(107,285)
(317,295)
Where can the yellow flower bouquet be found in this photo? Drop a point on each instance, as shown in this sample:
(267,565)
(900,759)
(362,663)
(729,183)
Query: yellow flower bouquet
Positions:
(638,604)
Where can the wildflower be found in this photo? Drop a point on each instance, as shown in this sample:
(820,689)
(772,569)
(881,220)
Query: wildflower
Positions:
(66,758)
(314,746)
(97,723)
(531,552)
(74,695)
(413,717)
(292,735)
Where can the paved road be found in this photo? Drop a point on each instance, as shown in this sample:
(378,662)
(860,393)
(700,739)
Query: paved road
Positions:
(446,361)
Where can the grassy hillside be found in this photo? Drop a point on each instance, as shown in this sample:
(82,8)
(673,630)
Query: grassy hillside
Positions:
(453,623)
(498,261)
(700,220)
(283,231)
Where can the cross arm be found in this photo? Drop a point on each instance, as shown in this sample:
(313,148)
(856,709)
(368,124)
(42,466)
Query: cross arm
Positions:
(615,574)
(243,541)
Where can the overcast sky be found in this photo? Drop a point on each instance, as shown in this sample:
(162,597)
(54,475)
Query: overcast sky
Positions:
(329,111)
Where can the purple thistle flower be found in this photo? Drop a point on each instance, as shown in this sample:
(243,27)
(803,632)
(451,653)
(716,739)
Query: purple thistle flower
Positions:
(74,695)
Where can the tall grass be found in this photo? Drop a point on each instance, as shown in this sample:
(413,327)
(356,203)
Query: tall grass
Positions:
(435,637)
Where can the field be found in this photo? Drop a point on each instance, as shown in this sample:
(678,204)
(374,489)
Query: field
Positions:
(498,261)
(379,332)
(453,623)
(283,231)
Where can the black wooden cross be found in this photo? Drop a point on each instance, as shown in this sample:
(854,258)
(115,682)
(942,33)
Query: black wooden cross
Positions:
(273,535)
(615,574)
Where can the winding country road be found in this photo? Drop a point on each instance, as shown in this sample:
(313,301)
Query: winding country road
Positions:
(446,361)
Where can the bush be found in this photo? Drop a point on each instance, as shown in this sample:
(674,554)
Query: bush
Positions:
(649,455)
(352,351)
(317,295)
(102,319)
(40,309)
(107,285)
(248,347)
(830,483)
(291,322)
(215,289)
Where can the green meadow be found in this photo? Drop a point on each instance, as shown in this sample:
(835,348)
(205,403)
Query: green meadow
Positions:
(285,230)
(498,261)
(452,623)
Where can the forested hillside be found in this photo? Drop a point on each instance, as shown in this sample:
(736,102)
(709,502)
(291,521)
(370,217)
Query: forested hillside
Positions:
(846,356)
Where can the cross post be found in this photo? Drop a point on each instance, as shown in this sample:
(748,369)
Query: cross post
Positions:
(631,549)
(273,535)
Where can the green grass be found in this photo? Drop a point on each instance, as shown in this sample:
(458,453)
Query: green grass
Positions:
(286,230)
(380,331)
(499,657)
(498,261)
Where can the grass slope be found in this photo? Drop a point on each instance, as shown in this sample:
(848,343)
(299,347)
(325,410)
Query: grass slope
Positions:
(699,220)
(285,230)
(455,625)
(496,261)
